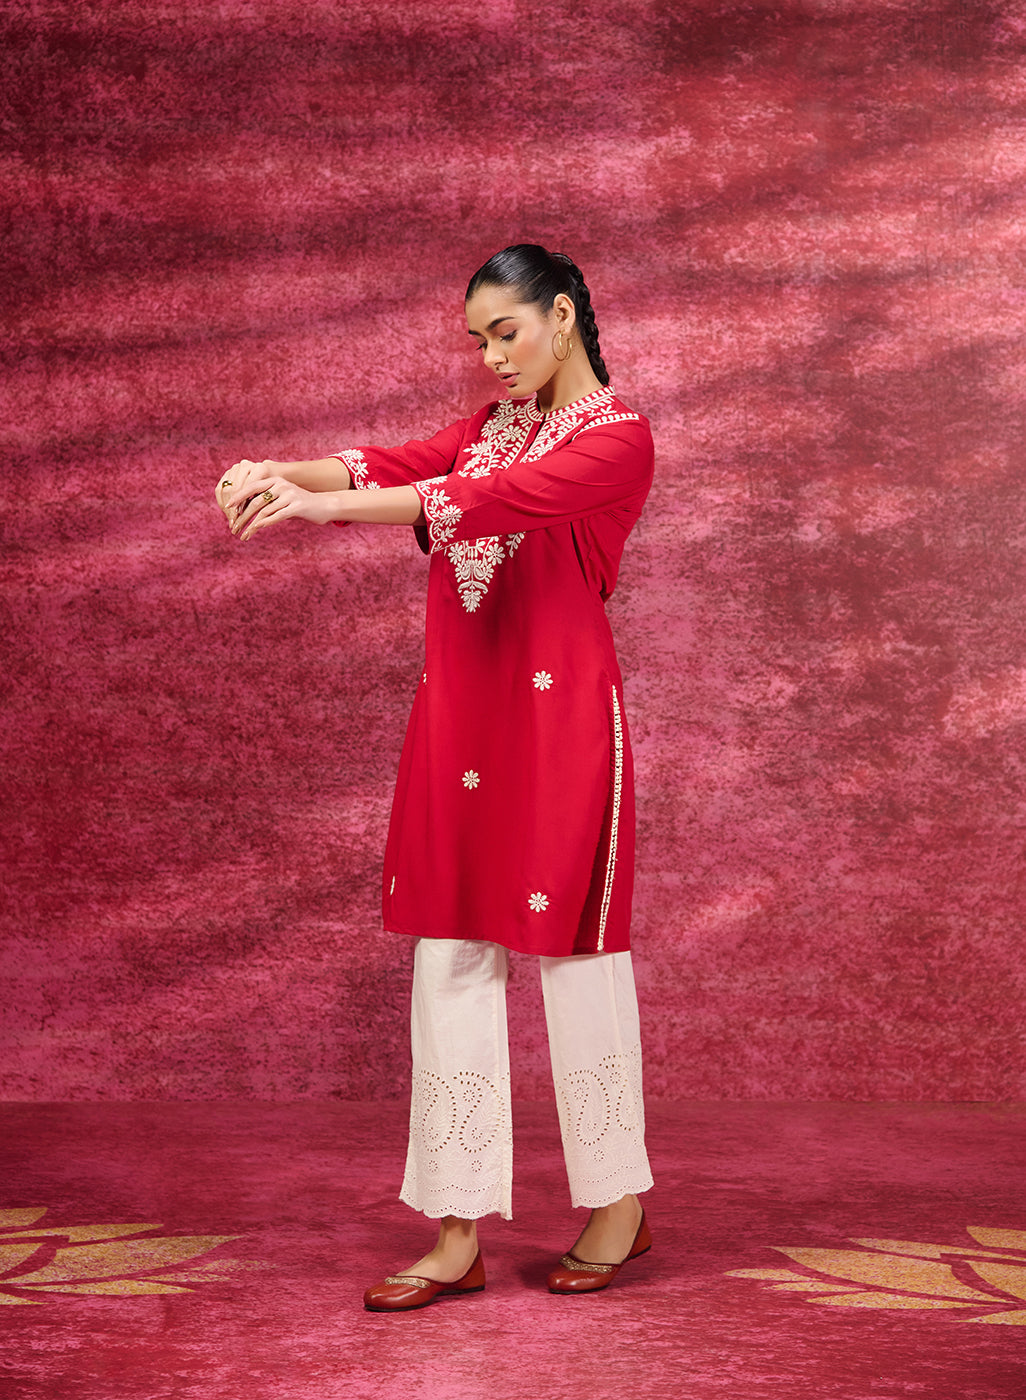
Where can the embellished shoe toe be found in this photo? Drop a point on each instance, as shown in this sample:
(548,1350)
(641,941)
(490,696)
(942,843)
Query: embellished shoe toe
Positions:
(405,1292)
(573,1275)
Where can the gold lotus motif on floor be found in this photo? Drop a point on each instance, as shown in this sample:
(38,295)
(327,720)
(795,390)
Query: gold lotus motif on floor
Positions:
(102,1259)
(988,1276)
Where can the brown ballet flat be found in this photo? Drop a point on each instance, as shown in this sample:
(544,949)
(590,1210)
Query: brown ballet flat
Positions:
(404,1292)
(578,1276)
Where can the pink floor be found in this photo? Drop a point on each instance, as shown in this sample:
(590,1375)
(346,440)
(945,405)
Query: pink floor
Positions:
(307,1192)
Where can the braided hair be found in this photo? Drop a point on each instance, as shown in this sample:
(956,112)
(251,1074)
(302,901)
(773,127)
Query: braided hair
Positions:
(538,277)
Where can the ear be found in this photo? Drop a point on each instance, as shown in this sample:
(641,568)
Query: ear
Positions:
(565,313)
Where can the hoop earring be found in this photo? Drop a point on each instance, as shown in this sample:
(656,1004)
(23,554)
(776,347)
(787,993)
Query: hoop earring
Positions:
(569,348)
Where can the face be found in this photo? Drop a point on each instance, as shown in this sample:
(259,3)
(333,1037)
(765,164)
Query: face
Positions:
(515,339)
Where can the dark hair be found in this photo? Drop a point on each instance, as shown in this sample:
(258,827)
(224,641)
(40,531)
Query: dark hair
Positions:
(538,277)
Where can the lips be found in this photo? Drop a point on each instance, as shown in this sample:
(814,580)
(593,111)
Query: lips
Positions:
(509,379)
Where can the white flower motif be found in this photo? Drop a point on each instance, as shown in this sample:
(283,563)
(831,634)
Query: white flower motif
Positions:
(542,680)
(539,902)
(502,437)
(471,779)
(441,513)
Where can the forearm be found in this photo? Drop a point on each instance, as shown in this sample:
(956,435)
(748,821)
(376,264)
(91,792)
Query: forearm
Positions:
(324,474)
(261,500)
(393,505)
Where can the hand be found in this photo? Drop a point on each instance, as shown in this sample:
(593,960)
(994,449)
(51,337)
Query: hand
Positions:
(236,479)
(262,500)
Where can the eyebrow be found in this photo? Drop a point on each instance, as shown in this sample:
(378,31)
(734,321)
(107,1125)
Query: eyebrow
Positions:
(492,324)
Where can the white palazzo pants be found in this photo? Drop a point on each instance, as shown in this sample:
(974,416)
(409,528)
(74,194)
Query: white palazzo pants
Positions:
(460,1158)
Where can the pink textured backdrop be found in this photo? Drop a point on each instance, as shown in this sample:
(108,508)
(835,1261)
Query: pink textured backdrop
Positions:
(245,228)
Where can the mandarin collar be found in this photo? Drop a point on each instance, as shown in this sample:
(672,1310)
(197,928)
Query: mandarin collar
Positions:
(604,394)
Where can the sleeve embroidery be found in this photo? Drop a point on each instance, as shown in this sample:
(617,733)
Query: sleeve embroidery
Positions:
(441,512)
(355,464)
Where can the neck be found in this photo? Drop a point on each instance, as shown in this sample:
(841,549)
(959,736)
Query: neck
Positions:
(570,383)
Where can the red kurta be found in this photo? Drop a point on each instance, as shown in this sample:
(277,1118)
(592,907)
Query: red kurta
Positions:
(513,818)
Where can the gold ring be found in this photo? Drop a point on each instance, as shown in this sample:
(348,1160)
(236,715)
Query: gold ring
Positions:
(225,482)
(268,497)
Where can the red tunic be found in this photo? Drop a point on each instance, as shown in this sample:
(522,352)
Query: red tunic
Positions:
(513,818)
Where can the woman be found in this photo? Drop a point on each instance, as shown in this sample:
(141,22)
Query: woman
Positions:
(513,820)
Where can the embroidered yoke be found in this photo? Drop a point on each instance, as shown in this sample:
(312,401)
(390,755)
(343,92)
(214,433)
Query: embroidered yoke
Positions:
(513,818)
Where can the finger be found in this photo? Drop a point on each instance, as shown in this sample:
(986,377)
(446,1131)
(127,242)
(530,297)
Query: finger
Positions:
(235,481)
(226,487)
(250,485)
(261,500)
(223,488)
(268,514)
(243,476)
(250,494)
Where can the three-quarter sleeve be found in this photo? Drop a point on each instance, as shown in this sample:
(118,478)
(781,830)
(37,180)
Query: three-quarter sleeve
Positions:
(601,468)
(373,468)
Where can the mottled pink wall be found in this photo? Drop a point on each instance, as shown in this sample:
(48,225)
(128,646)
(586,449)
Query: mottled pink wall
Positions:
(245,228)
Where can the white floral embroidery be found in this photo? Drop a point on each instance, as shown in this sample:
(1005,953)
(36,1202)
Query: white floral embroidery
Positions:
(440,511)
(502,437)
(471,779)
(539,902)
(551,432)
(542,680)
(612,418)
(355,464)
(564,421)
(475,562)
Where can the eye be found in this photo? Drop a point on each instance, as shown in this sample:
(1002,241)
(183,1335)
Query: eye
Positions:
(506,338)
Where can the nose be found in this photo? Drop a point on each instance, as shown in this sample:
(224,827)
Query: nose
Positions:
(495,356)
